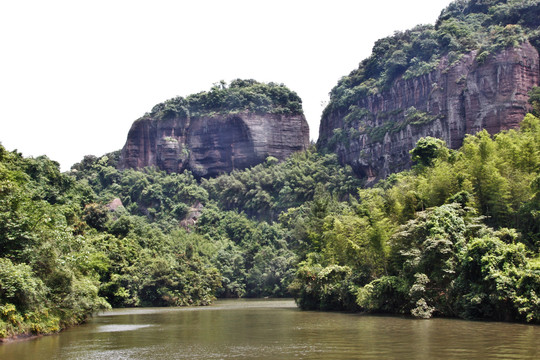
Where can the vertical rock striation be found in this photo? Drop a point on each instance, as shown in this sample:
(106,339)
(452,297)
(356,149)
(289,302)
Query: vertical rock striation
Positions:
(210,145)
(448,103)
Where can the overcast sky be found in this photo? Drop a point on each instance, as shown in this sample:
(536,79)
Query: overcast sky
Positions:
(75,74)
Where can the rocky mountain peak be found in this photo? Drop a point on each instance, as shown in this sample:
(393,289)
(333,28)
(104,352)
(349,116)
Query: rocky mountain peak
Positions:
(215,132)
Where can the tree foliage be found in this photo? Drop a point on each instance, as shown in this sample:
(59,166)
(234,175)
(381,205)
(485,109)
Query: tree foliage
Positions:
(238,96)
(455,236)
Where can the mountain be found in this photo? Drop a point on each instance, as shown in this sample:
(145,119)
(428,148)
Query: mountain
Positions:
(230,127)
(470,71)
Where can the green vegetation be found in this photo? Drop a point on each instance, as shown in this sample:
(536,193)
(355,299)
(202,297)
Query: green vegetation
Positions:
(534,100)
(238,96)
(456,236)
(464,26)
(268,189)
(67,252)
(412,117)
(48,279)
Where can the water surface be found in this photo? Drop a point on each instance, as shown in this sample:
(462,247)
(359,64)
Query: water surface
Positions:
(276,329)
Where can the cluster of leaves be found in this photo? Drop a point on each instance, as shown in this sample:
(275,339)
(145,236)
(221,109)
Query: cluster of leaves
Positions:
(456,236)
(445,262)
(534,100)
(238,96)
(254,257)
(412,117)
(251,258)
(64,255)
(161,198)
(97,237)
(148,267)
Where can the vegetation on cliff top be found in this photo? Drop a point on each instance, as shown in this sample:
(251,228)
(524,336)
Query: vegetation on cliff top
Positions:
(238,96)
(464,26)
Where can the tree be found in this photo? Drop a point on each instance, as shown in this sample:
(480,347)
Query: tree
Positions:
(534,100)
(427,150)
(496,281)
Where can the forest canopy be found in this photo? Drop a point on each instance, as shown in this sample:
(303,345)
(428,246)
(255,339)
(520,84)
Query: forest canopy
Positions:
(458,235)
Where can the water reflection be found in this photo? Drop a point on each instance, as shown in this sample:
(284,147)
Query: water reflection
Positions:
(114,328)
(276,329)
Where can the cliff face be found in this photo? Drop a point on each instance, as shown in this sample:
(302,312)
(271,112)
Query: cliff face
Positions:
(447,103)
(212,145)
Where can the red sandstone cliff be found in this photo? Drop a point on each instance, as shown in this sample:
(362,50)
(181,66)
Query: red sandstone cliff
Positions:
(212,145)
(456,100)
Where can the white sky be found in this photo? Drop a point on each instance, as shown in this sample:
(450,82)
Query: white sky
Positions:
(75,74)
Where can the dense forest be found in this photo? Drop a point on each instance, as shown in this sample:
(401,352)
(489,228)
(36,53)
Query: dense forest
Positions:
(457,235)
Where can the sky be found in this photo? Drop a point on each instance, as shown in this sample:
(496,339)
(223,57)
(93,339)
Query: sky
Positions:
(74,75)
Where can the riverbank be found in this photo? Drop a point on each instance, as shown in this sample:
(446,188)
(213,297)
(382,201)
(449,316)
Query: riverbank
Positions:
(21,337)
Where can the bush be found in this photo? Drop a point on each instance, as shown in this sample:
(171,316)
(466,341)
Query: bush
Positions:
(20,287)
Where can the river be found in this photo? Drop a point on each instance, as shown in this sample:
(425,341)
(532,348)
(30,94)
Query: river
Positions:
(275,329)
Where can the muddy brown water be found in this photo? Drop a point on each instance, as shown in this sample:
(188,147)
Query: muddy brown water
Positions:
(276,329)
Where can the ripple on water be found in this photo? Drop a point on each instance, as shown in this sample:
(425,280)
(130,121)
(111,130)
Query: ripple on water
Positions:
(116,328)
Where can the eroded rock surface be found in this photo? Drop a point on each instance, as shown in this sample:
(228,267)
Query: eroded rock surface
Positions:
(448,103)
(212,145)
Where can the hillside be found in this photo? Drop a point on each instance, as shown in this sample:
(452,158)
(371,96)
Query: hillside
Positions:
(462,224)
(470,71)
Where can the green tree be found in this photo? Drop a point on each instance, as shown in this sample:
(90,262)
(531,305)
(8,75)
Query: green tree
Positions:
(427,150)
(534,100)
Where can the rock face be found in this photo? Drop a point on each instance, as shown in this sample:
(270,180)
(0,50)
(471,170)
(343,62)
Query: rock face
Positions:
(447,103)
(212,145)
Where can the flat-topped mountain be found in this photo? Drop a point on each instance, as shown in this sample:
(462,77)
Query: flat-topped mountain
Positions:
(210,133)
